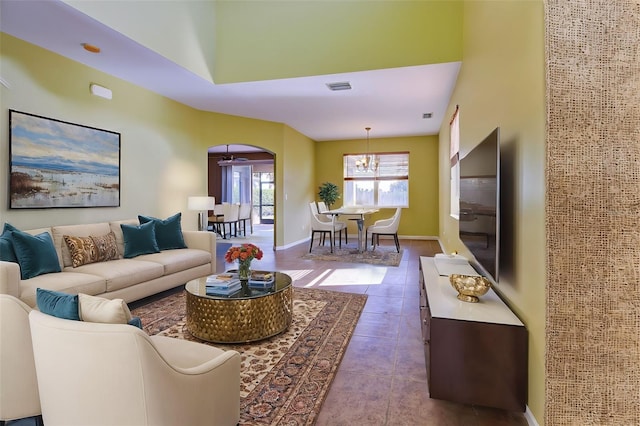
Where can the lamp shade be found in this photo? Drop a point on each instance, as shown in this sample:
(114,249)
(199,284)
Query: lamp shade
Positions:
(201,203)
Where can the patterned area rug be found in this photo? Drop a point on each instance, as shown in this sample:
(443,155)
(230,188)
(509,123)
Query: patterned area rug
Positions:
(284,379)
(382,255)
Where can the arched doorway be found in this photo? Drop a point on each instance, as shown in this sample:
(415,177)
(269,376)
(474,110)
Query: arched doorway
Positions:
(239,173)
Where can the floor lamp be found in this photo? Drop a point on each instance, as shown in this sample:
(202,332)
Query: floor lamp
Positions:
(203,205)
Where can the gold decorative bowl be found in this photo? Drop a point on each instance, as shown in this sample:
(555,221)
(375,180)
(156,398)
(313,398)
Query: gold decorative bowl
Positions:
(469,287)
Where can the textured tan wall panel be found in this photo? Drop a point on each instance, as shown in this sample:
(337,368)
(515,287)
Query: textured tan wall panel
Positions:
(593,213)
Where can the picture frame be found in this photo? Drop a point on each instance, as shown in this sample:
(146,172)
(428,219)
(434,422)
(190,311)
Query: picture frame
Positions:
(57,164)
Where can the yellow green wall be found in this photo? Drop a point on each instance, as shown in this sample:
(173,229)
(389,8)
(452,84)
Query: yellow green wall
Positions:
(188,28)
(230,41)
(298,175)
(262,40)
(163,143)
(501,83)
(151,126)
(421,218)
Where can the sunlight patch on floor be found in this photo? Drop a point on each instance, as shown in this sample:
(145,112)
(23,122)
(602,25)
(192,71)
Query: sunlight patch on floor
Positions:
(297,274)
(352,276)
(319,278)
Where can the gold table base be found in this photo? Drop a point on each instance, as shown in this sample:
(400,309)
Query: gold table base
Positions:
(222,320)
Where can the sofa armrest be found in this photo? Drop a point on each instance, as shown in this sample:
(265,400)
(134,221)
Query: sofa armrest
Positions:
(202,240)
(10,278)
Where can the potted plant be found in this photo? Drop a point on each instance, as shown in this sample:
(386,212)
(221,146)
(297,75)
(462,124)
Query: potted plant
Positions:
(329,193)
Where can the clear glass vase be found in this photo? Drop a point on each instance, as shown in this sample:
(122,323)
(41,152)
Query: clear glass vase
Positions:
(244,269)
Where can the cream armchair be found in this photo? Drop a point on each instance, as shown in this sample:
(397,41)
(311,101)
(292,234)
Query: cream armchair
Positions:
(18,386)
(385,227)
(114,374)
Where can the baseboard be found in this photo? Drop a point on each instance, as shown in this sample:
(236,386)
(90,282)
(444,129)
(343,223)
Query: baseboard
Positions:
(531,420)
(409,237)
(382,237)
(287,246)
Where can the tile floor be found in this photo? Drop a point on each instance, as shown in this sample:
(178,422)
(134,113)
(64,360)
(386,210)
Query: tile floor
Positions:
(382,378)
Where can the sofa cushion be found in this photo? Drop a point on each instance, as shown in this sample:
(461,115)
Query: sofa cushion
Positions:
(122,273)
(67,282)
(168,231)
(6,247)
(83,230)
(58,304)
(99,309)
(36,254)
(179,260)
(140,239)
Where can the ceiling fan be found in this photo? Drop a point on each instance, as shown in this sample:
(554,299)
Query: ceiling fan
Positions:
(228,158)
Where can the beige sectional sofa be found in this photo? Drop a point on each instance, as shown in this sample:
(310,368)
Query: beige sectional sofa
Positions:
(126,278)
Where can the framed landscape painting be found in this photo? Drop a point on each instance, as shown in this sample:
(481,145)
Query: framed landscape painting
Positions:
(58,164)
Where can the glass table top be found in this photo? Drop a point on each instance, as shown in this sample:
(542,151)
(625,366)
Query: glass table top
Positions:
(235,289)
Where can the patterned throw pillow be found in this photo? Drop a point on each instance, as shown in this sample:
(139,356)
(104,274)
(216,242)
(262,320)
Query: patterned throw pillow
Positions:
(91,249)
(82,249)
(106,245)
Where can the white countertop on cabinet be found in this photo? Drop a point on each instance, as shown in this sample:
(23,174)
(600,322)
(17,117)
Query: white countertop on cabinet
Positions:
(443,301)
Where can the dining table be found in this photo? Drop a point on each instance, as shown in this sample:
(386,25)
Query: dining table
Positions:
(359,214)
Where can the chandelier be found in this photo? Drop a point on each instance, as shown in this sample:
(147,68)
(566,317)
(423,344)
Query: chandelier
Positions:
(368,162)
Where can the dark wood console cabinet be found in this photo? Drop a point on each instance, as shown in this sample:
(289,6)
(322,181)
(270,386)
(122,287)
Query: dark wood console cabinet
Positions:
(476,353)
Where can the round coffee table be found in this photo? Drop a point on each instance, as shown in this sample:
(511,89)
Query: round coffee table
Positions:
(246,316)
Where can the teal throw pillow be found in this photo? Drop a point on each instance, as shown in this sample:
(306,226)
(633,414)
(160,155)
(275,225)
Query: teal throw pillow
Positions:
(6,246)
(168,231)
(36,254)
(136,322)
(139,239)
(57,304)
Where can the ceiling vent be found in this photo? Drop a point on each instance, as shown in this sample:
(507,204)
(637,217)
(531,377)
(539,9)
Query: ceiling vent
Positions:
(343,85)
(427,115)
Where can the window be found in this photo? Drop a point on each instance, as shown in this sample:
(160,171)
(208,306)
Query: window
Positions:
(454,160)
(388,186)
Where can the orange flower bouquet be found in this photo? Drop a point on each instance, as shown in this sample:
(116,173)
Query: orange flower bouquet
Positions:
(244,254)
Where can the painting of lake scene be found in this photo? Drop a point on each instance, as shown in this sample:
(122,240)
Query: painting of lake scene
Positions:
(60,164)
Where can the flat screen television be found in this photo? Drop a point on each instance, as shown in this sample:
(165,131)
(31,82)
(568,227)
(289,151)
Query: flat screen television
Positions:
(479,204)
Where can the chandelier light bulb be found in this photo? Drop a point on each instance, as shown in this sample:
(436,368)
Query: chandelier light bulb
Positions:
(368,162)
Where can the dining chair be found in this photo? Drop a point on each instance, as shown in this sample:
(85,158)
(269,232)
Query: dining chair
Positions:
(385,227)
(324,228)
(327,218)
(244,215)
(217,218)
(230,219)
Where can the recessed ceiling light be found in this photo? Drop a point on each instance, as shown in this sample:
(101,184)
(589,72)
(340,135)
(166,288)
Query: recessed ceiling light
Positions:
(91,48)
(343,85)
(427,115)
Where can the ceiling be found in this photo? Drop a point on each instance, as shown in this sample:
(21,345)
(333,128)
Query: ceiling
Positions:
(390,101)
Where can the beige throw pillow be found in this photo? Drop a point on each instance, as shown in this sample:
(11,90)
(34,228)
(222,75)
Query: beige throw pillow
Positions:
(99,309)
